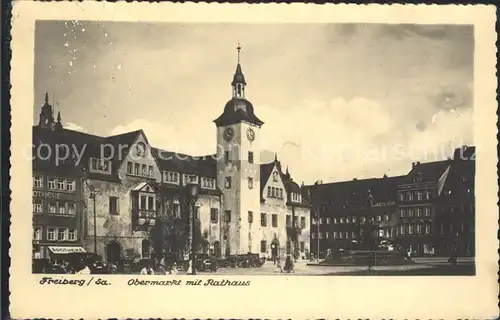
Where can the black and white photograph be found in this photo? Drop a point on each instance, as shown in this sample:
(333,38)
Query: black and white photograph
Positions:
(219,152)
(154,155)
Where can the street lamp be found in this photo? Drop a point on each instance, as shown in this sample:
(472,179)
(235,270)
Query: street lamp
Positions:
(193,190)
(93,192)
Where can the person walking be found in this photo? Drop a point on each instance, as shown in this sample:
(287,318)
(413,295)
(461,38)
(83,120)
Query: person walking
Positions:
(147,270)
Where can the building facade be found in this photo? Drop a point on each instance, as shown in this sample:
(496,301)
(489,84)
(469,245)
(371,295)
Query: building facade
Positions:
(429,211)
(134,196)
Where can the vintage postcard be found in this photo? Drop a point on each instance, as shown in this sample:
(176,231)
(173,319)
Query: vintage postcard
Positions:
(263,161)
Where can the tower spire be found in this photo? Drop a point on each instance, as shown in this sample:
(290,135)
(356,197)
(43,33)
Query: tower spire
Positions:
(239,82)
(238,48)
(46,97)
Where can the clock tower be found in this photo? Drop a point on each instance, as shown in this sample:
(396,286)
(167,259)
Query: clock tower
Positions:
(238,169)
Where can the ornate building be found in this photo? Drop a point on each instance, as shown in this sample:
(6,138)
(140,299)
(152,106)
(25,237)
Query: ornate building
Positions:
(134,194)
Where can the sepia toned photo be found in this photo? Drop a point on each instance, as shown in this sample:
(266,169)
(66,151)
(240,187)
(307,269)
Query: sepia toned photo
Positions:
(199,154)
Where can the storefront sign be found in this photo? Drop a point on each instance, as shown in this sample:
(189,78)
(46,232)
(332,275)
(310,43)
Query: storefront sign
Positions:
(66,250)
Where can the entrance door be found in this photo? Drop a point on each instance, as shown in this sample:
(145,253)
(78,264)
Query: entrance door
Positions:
(113,251)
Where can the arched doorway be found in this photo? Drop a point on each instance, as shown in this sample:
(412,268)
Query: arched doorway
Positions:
(113,251)
(146,249)
(217,249)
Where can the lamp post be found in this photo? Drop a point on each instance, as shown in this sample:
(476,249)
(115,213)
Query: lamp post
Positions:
(193,193)
(92,195)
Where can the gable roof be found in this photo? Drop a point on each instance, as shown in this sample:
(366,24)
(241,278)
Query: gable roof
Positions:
(290,186)
(430,171)
(356,191)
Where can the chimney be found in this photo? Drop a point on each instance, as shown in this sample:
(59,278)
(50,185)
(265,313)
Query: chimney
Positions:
(418,163)
(413,164)
(385,176)
(354,179)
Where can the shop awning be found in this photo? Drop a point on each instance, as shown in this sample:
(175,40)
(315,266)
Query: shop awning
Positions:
(66,250)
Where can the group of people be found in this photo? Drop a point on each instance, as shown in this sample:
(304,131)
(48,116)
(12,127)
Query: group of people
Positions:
(162,268)
(78,267)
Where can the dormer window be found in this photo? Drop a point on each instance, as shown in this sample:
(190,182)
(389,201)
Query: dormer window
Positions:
(190,178)
(296,197)
(100,166)
(208,183)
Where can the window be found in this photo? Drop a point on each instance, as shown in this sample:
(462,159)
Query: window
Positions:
(353,219)
(72,234)
(410,196)
(288,220)
(150,168)
(250,156)
(303,222)
(51,234)
(144,170)
(227,214)
(171,177)
(302,246)
(70,208)
(419,212)
(263,220)
(386,217)
(335,220)
(60,184)
(295,221)
(328,221)
(419,195)
(341,220)
(274,220)
(190,178)
(401,197)
(70,185)
(113,205)
(410,229)
(61,208)
(296,197)
(250,216)
(335,234)
(379,218)
(151,205)
(353,235)
(263,246)
(137,169)
(427,212)
(410,213)
(37,182)
(313,235)
(214,215)
(140,149)
(327,235)
(52,207)
(130,168)
(37,206)
(226,156)
(269,194)
(62,234)
(208,183)
(51,183)
(250,183)
(227,183)
(37,233)
(281,193)
(419,228)
(100,165)
(428,228)
(176,212)
(143,204)
(427,195)
(321,235)
(346,235)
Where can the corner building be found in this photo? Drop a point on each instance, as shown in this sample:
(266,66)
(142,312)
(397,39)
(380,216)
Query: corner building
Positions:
(244,206)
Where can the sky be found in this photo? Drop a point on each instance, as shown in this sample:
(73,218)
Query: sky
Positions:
(339,101)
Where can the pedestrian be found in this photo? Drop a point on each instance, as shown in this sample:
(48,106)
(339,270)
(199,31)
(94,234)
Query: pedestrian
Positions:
(81,268)
(173,269)
(147,270)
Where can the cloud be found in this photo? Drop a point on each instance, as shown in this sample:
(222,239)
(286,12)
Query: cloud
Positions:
(333,140)
(75,127)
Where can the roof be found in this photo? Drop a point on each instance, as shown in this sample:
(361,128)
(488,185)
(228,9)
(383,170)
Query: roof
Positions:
(430,171)
(460,182)
(114,148)
(238,76)
(238,110)
(290,185)
(357,191)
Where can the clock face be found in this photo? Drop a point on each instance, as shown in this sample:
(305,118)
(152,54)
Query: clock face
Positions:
(250,134)
(228,134)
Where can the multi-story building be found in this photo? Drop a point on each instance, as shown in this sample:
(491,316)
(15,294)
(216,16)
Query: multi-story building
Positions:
(129,188)
(57,194)
(428,211)
(349,210)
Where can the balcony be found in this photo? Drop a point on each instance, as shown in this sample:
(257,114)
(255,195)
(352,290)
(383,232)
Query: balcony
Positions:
(145,218)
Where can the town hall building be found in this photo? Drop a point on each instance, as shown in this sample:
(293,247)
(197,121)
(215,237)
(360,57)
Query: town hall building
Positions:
(125,188)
